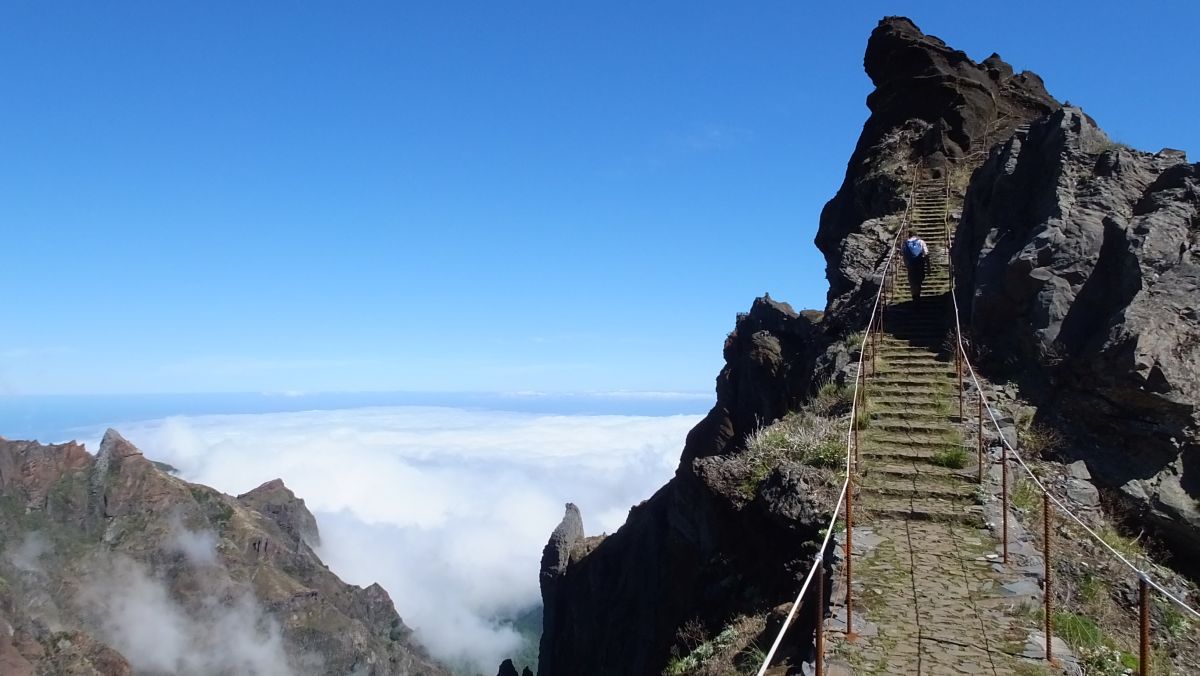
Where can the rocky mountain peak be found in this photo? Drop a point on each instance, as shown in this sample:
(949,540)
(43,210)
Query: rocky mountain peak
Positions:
(113,445)
(933,109)
(276,501)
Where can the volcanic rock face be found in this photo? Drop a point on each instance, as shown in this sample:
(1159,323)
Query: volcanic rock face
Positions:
(111,565)
(1079,259)
(614,604)
(932,106)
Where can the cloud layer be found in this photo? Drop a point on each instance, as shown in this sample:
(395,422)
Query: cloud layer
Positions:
(447,508)
(135,614)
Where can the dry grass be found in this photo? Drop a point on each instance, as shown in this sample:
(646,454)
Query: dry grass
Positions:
(729,651)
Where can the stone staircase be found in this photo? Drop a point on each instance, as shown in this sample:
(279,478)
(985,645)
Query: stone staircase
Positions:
(924,585)
(913,464)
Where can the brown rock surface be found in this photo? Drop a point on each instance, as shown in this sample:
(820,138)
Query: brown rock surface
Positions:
(116,516)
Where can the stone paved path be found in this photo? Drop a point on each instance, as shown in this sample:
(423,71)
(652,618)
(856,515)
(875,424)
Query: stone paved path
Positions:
(927,598)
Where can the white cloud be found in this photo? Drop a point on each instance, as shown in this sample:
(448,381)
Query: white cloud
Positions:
(134,612)
(199,548)
(448,509)
(27,555)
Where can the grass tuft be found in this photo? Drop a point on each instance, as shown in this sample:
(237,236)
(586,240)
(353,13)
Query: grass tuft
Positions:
(954,457)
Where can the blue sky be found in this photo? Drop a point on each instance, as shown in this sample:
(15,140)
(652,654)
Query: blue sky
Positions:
(220,196)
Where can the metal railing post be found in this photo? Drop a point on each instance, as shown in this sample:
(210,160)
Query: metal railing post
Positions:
(1049,589)
(875,337)
(850,635)
(819,580)
(1144,644)
(854,420)
(1004,494)
(958,353)
(979,436)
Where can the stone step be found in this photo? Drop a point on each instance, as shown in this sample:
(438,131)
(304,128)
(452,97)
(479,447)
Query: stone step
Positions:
(912,470)
(926,417)
(887,507)
(961,493)
(915,359)
(909,425)
(911,384)
(886,402)
(897,374)
(929,442)
(893,350)
(925,390)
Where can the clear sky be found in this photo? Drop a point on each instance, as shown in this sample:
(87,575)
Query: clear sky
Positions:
(494,196)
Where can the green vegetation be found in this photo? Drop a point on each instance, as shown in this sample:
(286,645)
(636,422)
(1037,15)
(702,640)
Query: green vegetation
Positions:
(1037,439)
(954,457)
(1129,547)
(1174,622)
(702,653)
(805,438)
(215,508)
(729,652)
(831,400)
(854,341)
(1025,495)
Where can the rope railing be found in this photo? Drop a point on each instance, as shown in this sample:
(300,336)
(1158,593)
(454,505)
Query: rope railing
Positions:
(845,497)
(1144,578)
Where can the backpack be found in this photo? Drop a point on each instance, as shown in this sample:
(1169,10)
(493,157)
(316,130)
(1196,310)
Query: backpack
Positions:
(912,249)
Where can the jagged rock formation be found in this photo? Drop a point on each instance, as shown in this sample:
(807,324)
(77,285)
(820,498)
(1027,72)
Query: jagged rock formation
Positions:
(507,668)
(1078,262)
(932,106)
(699,548)
(88,540)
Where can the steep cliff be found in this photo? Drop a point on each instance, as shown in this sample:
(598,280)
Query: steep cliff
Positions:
(111,565)
(703,548)
(1078,262)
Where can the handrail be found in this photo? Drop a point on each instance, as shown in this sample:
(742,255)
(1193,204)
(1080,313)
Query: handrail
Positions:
(851,465)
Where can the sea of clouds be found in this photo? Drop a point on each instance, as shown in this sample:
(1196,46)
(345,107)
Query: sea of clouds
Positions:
(447,508)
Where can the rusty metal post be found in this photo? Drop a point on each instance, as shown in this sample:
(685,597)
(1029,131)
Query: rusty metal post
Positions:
(961,368)
(1049,589)
(1144,647)
(1004,494)
(850,635)
(979,436)
(882,307)
(819,580)
(875,336)
(854,421)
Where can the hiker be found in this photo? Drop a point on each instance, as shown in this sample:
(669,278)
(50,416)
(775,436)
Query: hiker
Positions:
(916,258)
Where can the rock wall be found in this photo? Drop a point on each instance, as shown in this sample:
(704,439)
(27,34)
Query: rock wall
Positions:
(1077,261)
(698,549)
